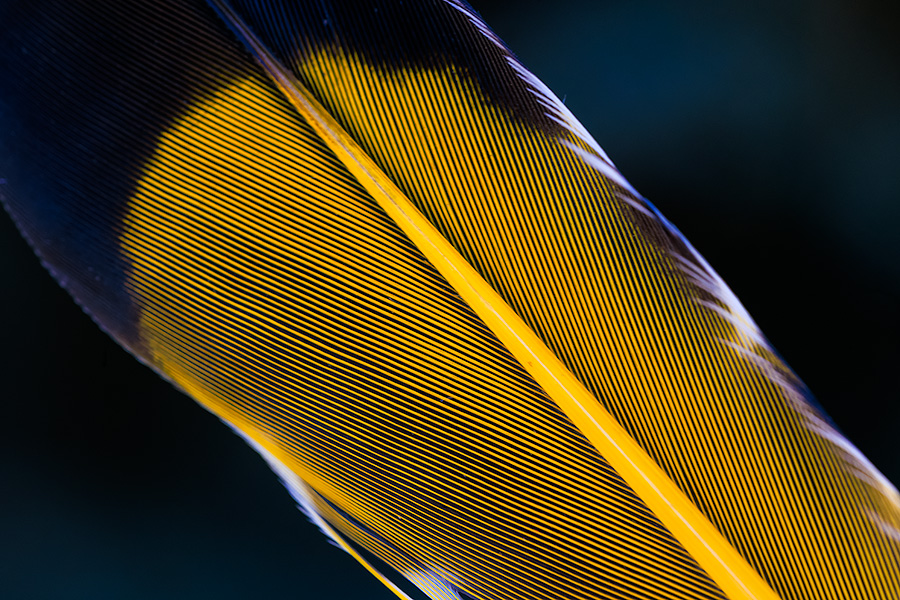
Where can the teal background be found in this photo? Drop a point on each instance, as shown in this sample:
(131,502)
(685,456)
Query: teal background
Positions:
(768,132)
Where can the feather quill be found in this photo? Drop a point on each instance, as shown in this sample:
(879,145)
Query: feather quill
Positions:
(366,237)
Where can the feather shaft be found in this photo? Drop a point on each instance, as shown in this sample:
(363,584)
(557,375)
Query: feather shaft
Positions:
(724,564)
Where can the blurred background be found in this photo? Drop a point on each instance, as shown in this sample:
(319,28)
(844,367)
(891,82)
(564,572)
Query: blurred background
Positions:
(768,132)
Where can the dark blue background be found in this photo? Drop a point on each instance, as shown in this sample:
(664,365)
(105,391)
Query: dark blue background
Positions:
(769,132)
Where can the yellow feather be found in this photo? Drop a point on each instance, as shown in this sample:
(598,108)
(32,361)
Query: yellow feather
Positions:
(395,263)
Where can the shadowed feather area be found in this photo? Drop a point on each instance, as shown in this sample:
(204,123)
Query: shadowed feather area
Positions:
(365,236)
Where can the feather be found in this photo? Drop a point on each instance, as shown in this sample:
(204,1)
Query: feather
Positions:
(379,248)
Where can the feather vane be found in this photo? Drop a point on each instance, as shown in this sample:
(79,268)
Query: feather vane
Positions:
(366,237)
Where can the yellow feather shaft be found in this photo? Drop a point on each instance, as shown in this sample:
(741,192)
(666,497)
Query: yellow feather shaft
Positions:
(711,550)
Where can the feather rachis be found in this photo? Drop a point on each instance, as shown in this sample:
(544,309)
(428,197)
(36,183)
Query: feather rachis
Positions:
(727,567)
